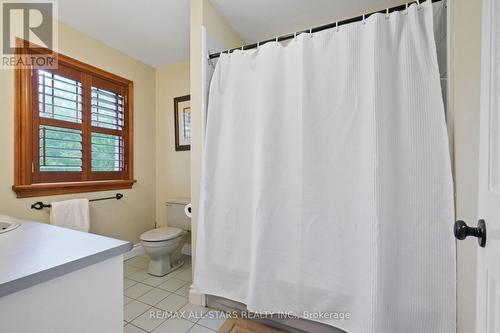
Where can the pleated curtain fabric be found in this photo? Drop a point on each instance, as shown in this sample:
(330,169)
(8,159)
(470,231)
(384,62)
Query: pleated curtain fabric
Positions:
(327,188)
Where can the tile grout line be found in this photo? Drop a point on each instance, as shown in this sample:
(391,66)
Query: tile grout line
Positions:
(140,313)
(141,328)
(139,267)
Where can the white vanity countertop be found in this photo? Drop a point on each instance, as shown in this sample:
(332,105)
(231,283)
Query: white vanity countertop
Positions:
(37,252)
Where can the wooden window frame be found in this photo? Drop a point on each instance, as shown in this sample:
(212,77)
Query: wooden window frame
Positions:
(27,179)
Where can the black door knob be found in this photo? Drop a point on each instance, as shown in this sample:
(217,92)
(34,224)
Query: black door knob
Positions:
(462,231)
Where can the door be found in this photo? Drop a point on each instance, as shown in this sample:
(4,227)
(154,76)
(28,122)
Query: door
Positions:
(488,301)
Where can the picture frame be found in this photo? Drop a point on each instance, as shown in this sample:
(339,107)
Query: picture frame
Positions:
(182,122)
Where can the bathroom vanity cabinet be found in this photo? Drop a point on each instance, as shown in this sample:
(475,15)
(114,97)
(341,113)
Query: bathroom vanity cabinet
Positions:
(59,280)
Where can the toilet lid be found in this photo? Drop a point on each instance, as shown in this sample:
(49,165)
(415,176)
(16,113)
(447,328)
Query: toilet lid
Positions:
(161,234)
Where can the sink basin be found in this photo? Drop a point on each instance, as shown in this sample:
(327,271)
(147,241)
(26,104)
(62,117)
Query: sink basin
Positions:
(6,225)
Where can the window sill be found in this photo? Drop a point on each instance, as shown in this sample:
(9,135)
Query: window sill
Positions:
(37,190)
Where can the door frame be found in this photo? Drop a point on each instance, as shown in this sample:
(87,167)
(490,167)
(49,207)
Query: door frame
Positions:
(464,79)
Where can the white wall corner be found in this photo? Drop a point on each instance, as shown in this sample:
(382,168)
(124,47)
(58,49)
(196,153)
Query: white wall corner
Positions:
(196,297)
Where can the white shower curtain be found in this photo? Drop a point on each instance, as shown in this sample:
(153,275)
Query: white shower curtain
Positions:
(327,187)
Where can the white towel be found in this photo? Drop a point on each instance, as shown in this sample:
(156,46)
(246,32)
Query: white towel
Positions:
(72,214)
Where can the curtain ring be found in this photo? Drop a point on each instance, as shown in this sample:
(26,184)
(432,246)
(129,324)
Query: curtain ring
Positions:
(277,41)
(364,19)
(258,44)
(295,35)
(387,14)
(310,32)
(337,26)
(418,5)
(406,8)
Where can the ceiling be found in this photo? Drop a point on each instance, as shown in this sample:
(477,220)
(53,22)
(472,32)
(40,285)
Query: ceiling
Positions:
(157,31)
(153,31)
(256,20)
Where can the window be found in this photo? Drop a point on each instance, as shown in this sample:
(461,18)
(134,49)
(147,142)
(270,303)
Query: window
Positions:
(73,130)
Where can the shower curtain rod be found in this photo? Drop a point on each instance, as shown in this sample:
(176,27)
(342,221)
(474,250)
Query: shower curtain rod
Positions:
(316,29)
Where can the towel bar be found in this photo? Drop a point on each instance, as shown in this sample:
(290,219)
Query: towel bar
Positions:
(40,205)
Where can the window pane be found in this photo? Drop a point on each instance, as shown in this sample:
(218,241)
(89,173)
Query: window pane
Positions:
(60,149)
(59,98)
(107,109)
(107,152)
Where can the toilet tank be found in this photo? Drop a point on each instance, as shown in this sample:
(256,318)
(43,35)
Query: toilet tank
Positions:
(176,217)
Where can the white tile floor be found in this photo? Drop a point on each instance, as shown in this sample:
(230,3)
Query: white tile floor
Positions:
(160,304)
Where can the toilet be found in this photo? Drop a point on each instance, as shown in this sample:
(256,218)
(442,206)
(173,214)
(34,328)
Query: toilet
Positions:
(163,245)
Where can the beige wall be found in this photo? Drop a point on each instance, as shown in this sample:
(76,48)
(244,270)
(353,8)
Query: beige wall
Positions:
(135,213)
(202,14)
(173,171)
(466,62)
(217,26)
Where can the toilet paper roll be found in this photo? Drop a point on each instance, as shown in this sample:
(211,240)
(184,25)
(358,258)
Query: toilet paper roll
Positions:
(187,210)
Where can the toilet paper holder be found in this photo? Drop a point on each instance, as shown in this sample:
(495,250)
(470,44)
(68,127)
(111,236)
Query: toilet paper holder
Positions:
(188,210)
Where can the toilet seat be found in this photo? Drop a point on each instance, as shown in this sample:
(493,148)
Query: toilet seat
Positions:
(161,234)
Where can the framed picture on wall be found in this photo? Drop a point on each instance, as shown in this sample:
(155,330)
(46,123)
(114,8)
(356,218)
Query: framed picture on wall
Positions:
(182,116)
